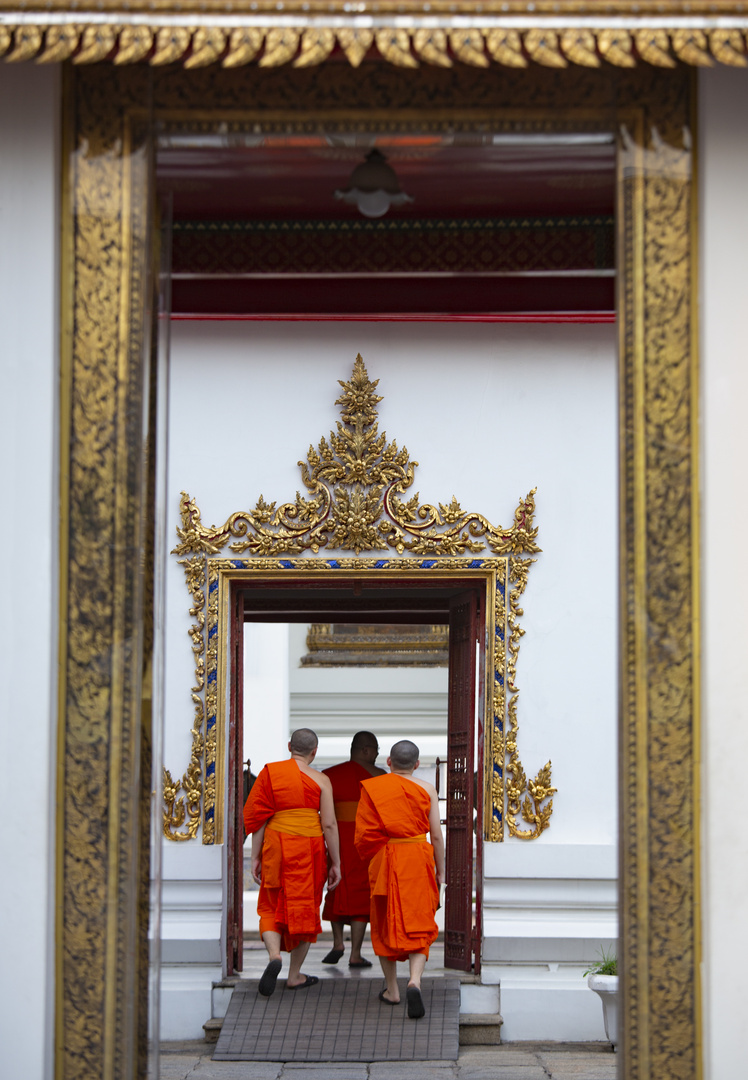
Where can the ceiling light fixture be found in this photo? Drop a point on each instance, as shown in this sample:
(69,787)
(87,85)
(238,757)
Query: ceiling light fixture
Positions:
(374,187)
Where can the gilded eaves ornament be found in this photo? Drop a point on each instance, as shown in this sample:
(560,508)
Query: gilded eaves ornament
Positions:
(356,482)
(172,36)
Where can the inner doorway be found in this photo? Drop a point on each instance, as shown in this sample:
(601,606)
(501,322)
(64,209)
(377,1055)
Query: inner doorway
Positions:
(460,606)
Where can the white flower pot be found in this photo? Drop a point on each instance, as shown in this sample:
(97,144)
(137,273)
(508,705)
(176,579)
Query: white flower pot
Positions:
(606,988)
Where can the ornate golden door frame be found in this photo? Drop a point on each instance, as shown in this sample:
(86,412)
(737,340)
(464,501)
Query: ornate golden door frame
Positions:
(101,955)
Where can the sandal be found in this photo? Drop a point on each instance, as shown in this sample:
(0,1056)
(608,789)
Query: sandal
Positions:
(270,978)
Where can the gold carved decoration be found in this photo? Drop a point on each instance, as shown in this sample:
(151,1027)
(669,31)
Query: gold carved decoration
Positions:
(543,42)
(103,213)
(355,480)
(533,798)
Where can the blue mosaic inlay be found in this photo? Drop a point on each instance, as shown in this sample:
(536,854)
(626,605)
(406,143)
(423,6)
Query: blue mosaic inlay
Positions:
(333,564)
(238,564)
(426,564)
(381,563)
(285,564)
(212,676)
(213,586)
(210,815)
(476,564)
(501,588)
(213,631)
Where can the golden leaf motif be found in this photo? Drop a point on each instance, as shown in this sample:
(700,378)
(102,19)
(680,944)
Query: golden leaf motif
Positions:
(579,47)
(135,42)
(692,46)
(60,42)
(207,44)
(543,47)
(653,46)
(616,46)
(467,45)
(505,46)
(171,44)
(244,45)
(431,46)
(5,40)
(316,45)
(728,47)
(27,41)
(96,44)
(280,45)
(355,43)
(394,45)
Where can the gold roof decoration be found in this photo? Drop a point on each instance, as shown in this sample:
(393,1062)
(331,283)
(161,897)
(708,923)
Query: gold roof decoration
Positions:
(356,483)
(197,33)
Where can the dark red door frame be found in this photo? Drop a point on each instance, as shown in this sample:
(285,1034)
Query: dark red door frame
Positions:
(411,600)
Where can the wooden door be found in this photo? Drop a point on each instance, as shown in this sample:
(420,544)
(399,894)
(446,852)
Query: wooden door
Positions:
(464,628)
(235,825)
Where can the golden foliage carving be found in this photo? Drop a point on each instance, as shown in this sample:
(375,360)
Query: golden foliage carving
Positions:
(207,45)
(505,46)
(431,46)
(316,46)
(244,45)
(199,46)
(355,481)
(60,42)
(135,42)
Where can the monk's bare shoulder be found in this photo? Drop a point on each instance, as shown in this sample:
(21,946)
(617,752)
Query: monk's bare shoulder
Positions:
(424,784)
(318,777)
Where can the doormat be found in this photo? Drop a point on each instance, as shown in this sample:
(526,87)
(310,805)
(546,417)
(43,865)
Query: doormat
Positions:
(339,1020)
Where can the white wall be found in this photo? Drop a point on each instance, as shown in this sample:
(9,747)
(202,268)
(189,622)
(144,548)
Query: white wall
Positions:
(29,223)
(723,184)
(489,411)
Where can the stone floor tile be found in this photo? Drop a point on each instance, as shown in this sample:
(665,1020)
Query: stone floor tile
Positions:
(573,1070)
(490,1056)
(410,1070)
(309,1072)
(237,1070)
(177,1066)
(502,1072)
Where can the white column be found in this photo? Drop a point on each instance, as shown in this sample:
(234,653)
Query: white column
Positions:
(723,190)
(29,288)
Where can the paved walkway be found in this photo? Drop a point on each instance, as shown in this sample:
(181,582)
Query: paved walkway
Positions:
(511,1061)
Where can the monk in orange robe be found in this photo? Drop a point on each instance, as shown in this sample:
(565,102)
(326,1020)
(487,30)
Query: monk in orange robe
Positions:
(291,816)
(405,871)
(350,902)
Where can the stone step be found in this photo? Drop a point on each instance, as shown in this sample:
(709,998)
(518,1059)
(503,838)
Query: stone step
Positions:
(480,1029)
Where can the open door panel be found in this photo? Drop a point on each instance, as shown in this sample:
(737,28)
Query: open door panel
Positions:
(464,630)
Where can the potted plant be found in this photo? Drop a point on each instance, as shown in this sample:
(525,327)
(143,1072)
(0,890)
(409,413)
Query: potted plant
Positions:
(602,977)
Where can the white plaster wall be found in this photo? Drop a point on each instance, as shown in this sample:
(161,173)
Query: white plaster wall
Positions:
(723,184)
(29,224)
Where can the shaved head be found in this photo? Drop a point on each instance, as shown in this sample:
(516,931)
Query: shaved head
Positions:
(362,740)
(303,741)
(404,754)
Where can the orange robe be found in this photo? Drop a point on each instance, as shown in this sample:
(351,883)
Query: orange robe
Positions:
(350,901)
(294,867)
(393,814)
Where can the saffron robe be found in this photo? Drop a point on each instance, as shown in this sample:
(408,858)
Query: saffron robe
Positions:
(391,823)
(350,901)
(294,867)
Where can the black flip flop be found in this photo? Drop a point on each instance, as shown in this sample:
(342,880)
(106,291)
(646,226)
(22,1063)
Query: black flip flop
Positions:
(270,978)
(311,980)
(333,956)
(415,1003)
(362,963)
(386,1000)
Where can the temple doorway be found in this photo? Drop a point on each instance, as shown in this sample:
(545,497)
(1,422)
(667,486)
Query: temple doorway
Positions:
(439,626)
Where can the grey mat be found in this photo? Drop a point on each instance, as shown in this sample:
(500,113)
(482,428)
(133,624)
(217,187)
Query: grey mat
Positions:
(339,1020)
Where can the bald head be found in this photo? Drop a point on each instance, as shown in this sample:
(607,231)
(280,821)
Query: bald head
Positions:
(303,742)
(404,755)
(364,740)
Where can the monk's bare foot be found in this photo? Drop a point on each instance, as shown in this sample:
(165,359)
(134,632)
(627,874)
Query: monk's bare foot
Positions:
(302,983)
(384,996)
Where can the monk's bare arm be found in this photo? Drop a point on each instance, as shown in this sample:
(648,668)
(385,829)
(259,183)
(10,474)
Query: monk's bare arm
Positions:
(330,829)
(437,839)
(257,839)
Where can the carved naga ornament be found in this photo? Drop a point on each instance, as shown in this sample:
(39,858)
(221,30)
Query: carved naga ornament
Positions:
(356,483)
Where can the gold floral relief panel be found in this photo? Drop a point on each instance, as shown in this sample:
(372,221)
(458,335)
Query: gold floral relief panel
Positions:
(649,110)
